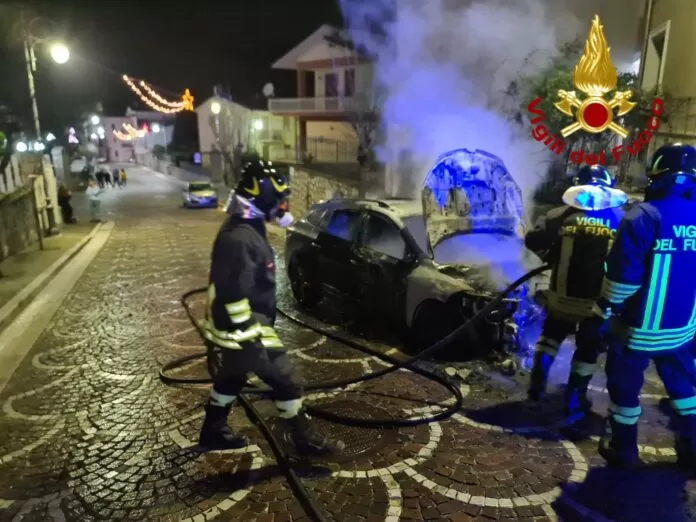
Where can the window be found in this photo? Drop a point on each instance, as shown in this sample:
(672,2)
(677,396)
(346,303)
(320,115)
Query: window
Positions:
(330,85)
(349,85)
(382,236)
(656,52)
(344,224)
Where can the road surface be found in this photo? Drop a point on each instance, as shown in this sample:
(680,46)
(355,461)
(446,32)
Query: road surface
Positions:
(90,433)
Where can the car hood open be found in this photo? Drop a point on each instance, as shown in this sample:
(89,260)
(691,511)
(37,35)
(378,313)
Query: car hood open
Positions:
(474,219)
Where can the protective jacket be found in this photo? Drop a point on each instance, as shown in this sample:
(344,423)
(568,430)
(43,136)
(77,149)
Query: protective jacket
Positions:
(651,272)
(241,292)
(577,237)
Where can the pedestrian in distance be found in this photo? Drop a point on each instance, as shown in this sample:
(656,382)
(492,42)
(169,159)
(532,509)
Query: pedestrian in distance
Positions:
(115,176)
(66,210)
(576,238)
(94,196)
(241,315)
(123,177)
(647,307)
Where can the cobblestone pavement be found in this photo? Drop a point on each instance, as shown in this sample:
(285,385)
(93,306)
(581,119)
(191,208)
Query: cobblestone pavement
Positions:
(90,433)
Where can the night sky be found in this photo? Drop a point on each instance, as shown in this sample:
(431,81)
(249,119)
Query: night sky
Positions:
(171,45)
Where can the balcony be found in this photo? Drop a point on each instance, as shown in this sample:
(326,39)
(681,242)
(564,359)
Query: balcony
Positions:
(311,105)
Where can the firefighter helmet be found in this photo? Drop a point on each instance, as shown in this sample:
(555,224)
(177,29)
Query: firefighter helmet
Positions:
(672,164)
(264,187)
(593,175)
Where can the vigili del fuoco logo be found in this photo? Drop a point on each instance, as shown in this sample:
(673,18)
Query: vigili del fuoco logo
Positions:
(594,76)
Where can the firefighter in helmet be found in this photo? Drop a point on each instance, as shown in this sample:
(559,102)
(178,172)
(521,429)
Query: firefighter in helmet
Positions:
(648,305)
(242,309)
(575,239)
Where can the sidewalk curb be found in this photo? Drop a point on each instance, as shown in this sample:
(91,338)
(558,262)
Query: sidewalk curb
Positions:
(20,301)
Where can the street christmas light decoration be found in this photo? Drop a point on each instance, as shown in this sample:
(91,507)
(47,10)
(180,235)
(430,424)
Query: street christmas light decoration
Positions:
(156,102)
(171,104)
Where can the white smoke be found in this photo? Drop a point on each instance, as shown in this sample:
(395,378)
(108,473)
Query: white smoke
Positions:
(444,68)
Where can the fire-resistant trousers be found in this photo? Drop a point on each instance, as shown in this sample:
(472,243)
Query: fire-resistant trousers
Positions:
(625,368)
(271,366)
(587,341)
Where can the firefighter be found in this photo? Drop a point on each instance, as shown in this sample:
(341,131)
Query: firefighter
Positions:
(241,313)
(648,305)
(575,239)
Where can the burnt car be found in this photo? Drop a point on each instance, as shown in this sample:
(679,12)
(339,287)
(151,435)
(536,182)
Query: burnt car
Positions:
(424,266)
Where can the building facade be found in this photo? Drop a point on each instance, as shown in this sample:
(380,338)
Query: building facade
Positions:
(224,124)
(670,65)
(334,90)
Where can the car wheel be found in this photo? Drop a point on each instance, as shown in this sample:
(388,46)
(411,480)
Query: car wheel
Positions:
(304,292)
(433,321)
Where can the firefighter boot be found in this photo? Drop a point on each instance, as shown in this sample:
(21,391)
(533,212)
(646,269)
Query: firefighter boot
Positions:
(576,401)
(307,440)
(619,444)
(539,376)
(216,434)
(686,441)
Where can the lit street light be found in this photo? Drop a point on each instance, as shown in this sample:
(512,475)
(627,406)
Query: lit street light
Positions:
(50,136)
(94,119)
(215,107)
(258,125)
(100,130)
(59,52)
(93,136)
(155,128)
(38,146)
(21,146)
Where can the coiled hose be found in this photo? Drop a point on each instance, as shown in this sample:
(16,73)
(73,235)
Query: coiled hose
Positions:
(307,500)
(396,364)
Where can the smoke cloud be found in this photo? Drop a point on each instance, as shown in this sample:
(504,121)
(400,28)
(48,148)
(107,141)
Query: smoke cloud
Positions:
(445,68)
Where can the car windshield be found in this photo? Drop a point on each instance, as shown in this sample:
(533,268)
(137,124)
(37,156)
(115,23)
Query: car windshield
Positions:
(199,187)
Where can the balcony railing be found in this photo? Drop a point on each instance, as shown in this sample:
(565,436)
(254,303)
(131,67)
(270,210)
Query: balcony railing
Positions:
(311,105)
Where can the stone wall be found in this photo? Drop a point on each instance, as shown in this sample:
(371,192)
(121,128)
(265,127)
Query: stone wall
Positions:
(18,228)
(310,187)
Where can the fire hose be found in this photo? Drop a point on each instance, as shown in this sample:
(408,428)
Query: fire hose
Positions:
(396,364)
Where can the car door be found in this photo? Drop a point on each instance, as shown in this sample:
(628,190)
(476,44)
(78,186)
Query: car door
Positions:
(381,262)
(333,247)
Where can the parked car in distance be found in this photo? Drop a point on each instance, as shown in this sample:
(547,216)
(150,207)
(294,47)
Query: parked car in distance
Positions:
(200,194)
(374,255)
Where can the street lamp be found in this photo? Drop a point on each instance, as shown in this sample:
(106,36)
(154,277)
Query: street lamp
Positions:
(215,107)
(21,146)
(258,125)
(50,136)
(155,128)
(94,136)
(94,119)
(59,52)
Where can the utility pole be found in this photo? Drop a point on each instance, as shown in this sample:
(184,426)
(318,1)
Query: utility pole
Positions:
(30,62)
(647,16)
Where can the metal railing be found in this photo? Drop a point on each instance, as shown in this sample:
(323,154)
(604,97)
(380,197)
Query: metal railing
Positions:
(317,150)
(310,105)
